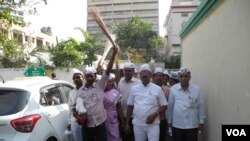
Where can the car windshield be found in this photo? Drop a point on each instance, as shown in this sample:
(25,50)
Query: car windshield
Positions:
(12,101)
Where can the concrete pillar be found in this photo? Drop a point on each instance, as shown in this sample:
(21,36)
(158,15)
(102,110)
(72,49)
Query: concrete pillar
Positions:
(35,43)
(44,42)
(23,38)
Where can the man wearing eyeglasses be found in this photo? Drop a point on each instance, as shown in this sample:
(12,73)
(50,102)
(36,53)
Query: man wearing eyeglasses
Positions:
(186,112)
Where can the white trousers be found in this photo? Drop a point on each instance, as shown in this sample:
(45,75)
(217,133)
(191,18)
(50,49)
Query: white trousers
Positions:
(151,132)
(76,130)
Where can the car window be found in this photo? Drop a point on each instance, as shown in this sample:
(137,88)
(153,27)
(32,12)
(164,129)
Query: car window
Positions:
(66,90)
(51,96)
(13,101)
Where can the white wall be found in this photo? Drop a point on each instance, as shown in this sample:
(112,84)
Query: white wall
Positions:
(217,52)
(65,75)
(8,74)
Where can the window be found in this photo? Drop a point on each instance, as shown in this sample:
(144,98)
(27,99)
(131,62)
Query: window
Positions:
(39,43)
(124,12)
(20,13)
(121,4)
(152,11)
(51,96)
(26,38)
(55,94)
(13,101)
(144,3)
(176,45)
(184,14)
(102,5)
(66,90)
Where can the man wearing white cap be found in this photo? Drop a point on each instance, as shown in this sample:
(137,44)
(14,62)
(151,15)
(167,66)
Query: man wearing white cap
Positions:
(158,79)
(173,78)
(146,101)
(166,77)
(186,112)
(124,86)
(91,97)
(76,129)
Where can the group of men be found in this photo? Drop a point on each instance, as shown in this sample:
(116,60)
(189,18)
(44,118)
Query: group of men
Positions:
(150,105)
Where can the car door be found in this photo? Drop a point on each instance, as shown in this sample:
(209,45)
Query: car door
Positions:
(55,108)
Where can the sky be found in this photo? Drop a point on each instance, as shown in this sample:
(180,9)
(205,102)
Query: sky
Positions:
(64,15)
(164,6)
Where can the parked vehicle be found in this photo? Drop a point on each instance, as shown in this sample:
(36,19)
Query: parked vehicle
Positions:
(34,109)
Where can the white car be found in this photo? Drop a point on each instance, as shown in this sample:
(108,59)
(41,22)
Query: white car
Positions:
(34,109)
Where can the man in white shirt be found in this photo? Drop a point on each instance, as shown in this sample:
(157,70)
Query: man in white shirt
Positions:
(158,79)
(186,112)
(76,129)
(146,101)
(124,86)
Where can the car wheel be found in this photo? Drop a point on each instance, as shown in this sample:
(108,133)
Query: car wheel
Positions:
(52,139)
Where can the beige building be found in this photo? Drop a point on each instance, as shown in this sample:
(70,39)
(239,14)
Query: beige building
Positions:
(120,10)
(31,39)
(26,35)
(180,11)
(215,43)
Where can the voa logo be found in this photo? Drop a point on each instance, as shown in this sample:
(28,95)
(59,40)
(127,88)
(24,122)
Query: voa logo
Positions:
(236,132)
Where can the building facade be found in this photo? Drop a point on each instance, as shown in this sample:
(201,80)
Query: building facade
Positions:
(31,39)
(180,11)
(26,36)
(118,11)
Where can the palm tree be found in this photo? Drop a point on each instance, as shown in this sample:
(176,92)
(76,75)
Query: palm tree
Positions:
(71,53)
(38,53)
